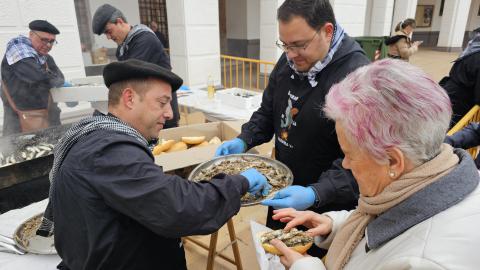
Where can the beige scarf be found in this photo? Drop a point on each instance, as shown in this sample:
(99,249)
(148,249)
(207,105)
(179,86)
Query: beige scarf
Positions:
(368,208)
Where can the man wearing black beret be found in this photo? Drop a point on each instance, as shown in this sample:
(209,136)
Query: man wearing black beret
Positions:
(134,42)
(113,207)
(28,73)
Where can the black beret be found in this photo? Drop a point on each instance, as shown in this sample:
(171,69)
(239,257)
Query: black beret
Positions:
(43,26)
(101,17)
(137,69)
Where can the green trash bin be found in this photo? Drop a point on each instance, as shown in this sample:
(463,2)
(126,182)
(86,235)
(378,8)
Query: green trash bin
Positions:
(374,47)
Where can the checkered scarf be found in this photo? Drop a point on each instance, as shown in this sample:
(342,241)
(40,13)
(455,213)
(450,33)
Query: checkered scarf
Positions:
(338,34)
(20,48)
(97,122)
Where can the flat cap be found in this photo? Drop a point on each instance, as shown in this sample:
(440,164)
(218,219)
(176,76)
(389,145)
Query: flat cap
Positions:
(101,17)
(43,26)
(137,69)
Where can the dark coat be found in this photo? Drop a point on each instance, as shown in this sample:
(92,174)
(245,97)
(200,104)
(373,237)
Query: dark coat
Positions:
(463,85)
(147,47)
(29,86)
(466,138)
(116,209)
(308,145)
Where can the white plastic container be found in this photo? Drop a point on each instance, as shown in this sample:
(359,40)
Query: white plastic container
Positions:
(240,98)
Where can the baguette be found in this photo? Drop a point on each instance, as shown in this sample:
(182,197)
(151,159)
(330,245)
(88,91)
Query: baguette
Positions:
(164,146)
(179,146)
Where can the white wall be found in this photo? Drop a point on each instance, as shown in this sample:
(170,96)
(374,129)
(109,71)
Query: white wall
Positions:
(15,16)
(129,8)
(253,19)
(351,15)
(378,17)
(193,28)
(269,30)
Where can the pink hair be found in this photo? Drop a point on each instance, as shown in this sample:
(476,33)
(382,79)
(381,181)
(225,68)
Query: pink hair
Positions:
(391,103)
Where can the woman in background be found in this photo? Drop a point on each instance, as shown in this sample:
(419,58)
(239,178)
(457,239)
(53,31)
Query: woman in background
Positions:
(400,45)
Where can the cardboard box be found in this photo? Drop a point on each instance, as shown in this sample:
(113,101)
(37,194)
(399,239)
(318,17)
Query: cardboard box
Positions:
(196,155)
(240,98)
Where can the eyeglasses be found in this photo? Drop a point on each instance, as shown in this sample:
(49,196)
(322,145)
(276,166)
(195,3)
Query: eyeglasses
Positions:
(295,48)
(46,41)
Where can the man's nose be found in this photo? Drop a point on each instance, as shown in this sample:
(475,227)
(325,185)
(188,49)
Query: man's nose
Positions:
(168,112)
(292,53)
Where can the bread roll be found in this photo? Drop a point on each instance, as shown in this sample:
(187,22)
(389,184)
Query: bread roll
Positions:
(179,146)
(193,140)
(164,146)
(215,140)
(302,241)
(204,143)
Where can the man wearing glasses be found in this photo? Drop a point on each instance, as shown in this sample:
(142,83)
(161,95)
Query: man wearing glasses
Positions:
(28,73)
(317,54)
(134,42)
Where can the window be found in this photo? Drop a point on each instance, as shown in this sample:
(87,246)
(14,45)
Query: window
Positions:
(154,10)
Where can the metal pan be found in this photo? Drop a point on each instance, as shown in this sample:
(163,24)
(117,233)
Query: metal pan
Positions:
(282,168)
(27,240)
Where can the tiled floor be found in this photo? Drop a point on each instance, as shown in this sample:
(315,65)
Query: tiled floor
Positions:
(435,63)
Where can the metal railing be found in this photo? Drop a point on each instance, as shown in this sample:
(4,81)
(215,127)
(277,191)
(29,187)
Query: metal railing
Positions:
(245,72)
(472,116)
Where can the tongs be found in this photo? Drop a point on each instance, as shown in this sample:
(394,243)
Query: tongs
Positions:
(9,245)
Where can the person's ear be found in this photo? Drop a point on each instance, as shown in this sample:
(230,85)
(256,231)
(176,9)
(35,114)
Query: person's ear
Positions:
(396,162)
(127,98)
(328,29)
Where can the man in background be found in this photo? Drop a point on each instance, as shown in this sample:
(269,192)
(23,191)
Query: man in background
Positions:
(28,73)
(134,42)
(160,36)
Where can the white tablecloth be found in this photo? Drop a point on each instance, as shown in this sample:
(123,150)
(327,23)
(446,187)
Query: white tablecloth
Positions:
(9,221)
(214,110)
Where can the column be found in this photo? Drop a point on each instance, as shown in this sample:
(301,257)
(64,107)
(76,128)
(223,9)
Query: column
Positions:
(350,14)
(379,16)
(402,10)
(452,27)
(193,28)
(269,30)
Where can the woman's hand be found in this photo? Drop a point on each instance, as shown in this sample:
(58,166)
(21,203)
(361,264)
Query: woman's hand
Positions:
(317,224)
(289,256)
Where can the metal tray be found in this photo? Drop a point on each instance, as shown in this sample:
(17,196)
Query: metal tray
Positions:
(31,242)
(274,163)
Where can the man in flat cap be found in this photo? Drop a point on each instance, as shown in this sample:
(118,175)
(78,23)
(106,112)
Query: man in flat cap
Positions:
(28,73)
(138,42)
(113,207)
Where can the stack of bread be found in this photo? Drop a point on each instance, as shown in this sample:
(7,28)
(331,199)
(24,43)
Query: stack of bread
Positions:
(168,146)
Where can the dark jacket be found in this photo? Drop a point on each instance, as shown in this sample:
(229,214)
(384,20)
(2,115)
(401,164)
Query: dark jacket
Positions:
(466,138)
(147,47)
(29,86)
(463,85)
(116,209)
(309,145)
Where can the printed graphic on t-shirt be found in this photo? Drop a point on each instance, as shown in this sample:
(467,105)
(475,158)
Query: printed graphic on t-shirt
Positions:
(288,119)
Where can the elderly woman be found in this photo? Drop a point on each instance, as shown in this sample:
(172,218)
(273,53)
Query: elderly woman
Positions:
(419,205)
(400,45)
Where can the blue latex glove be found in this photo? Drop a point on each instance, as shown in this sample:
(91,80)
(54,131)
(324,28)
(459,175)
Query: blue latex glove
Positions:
(297,197)
(184,87)
(235,146)
(256,182)
(67,84)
